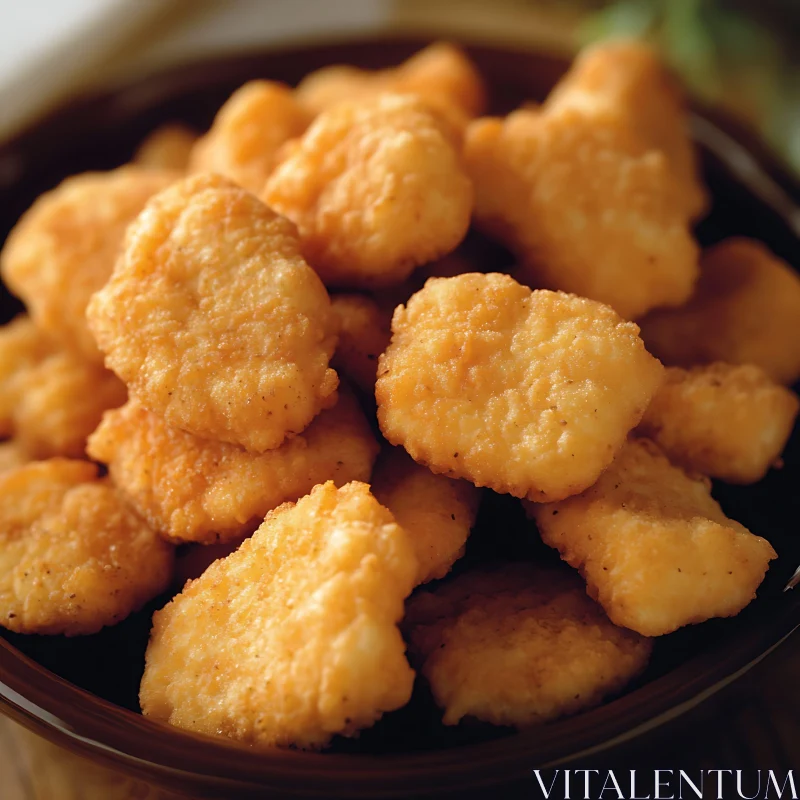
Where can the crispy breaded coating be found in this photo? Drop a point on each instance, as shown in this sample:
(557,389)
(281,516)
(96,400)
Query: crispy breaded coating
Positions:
(60,401)
(586,207)
(440,74)
(627,79)
(73,556)
(528,393)
(167,147)
(193,559)
(293,638)
(364,333)
(375,188)
(50,399)
(12,455)
(248,132)
(725,421)
(64,247)
(215,321)
(22,346)
(437,512)
(519,644)
(193,489)
(745,310)
(655,548)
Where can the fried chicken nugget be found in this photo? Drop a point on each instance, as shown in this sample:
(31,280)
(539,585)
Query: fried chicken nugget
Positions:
(655,548)
(12,455)
(746,310)
(585,205)
(528,393)
(437,512)
(50,399)
(364,333)
(192,489)
(73,556)
(376,188)
(247,133)
(292,638)
(440,74)
(627,78)
(64,247)
(167,147)
(215,321)
(728,422)
(22,345)
(519,644)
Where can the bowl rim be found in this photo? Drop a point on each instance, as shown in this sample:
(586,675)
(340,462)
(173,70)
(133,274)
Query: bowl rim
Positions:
(117,737)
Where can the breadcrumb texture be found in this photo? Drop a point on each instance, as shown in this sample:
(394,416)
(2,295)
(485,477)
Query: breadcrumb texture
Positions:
(64,247)
(746,310)
(585,205)
(725,421)
(248,132)
(440,74)
(519,644)
(437,512)
(375,188)
(528,393)
(655,548)
(627,79)
(167,147)
(364,333)
(51,399)
(293,638)
(73,556)
(193,489)
(215,321)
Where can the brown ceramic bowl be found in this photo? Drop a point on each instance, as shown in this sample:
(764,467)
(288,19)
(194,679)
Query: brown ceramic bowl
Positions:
(81,693)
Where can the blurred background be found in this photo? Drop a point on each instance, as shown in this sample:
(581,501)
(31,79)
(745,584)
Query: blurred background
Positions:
(738,54)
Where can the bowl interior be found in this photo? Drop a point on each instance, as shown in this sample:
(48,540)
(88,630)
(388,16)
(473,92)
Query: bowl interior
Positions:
(45,692)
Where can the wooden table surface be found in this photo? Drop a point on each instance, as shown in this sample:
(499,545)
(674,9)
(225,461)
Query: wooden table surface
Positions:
(758,727)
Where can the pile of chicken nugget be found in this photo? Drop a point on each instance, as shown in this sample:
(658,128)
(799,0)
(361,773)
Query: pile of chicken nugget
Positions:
(265,348)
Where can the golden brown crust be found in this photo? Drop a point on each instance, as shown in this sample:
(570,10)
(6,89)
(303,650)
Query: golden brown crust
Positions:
(193,489)
(73,556)
(167,147)
(292,638)
(64,247)
(215,321)
(436,512)
(725,421)
(745,310)
(519,644)
(375,188)
(528,393)
(655,548)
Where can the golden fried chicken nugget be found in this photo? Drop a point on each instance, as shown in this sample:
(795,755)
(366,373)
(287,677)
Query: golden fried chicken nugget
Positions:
(193,559)
(293,638)
(12,455)
(528,393)
(725,421)
(627,78)
(215,321)
(73,556)
(193,489)
(655,548)
(440,74)
(64,247)
(519,644)
(586,207)
(364,333)
(60,401)
(376,188)
(167,147)
(437,512)
(22,345)
(247,133)
(746,310)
